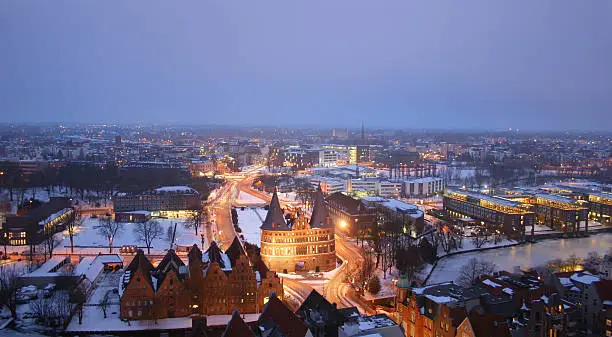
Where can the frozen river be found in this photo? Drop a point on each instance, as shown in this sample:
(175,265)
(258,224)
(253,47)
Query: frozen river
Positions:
(524,256)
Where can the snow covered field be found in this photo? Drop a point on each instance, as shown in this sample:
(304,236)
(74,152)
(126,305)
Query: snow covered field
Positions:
(249,221)
(249,199)
(88,238)
(524,256)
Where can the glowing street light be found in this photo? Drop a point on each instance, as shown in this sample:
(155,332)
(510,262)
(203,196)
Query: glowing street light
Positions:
(343,224)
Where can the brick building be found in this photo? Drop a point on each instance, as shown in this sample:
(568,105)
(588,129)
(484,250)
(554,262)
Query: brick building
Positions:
(211,284)
(165,201)
(300,244)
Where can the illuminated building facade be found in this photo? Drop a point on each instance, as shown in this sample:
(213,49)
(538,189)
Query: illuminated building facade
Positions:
(512,217)
(600,207)
(559,213)
(32,227)
(298,244)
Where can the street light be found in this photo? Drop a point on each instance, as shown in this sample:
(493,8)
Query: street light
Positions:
(343,224)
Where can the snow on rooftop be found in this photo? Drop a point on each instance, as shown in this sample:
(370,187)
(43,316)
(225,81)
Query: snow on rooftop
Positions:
(54,216)
(45,268)
(508,291)
(565,281)
(584,278)
(440,299)
(181,189)
(491,283)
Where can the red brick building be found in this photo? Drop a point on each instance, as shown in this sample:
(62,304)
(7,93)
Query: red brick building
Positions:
(211,284)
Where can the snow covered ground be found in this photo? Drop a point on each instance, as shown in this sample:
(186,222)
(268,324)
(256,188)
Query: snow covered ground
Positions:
(249,199)
(87,239)
(249,221)
(524,256)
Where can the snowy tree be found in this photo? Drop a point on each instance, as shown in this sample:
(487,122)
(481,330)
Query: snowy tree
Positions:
(109,229)
(480,240)
(473,270)
(104,304)
(148,231)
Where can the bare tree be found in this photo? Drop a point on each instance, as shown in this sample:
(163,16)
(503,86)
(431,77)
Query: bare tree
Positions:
(110,229)
(194,221)
(52,311)
(50,240)
(473,270)
(104,304)
(480,240)
(9,284)
(592,260)
(148,231)
(74,222)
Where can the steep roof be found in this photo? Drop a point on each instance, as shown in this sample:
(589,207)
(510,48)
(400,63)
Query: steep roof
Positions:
(277,312)
(262,269)
(195,254)
(319,216)
(143,265)
(214,254)
(318,303)
(236,327)
(170,260)
(274,218)
(235,250)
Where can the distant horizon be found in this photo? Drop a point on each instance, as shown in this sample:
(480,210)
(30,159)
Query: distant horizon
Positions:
(352,128)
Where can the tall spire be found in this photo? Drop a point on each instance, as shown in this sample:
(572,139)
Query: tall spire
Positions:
(275,219)
(320,217)
(362,131)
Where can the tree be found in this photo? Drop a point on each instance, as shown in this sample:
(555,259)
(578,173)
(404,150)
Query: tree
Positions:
(148,231)
(195,220)
(374,285)
(480,240)
(9,284)
(473,270)
(75,221)
(109,229)
(592,260)
(409,261)
(171,233)
(104,304)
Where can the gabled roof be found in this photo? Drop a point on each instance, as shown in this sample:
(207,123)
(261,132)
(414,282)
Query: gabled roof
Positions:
(235,250)
(277,312)
(457,315)
(170,260)
(236,327)
(262,269)
(319,216)
(141,264)
(195,254)
(275,219)
(318,303)
(214,254)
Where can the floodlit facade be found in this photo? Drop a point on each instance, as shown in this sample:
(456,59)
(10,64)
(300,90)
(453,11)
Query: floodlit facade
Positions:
(300,244)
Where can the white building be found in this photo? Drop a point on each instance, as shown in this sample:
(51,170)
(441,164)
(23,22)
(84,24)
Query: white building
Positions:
(383,188)
(329,185)
(423,187)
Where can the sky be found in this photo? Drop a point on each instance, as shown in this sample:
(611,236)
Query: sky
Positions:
(415,64)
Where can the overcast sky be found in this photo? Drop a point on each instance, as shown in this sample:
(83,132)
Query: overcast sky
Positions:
(397,63)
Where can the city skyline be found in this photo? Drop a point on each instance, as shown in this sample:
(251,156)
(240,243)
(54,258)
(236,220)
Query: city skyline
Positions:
(404,66)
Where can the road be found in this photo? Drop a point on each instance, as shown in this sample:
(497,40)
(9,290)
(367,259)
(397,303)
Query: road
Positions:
(222,230)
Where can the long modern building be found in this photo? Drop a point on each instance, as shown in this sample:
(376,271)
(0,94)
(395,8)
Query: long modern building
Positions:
(510,216)
(560,213)
(31,226)
(600,207)
(300,244)
(165,201)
